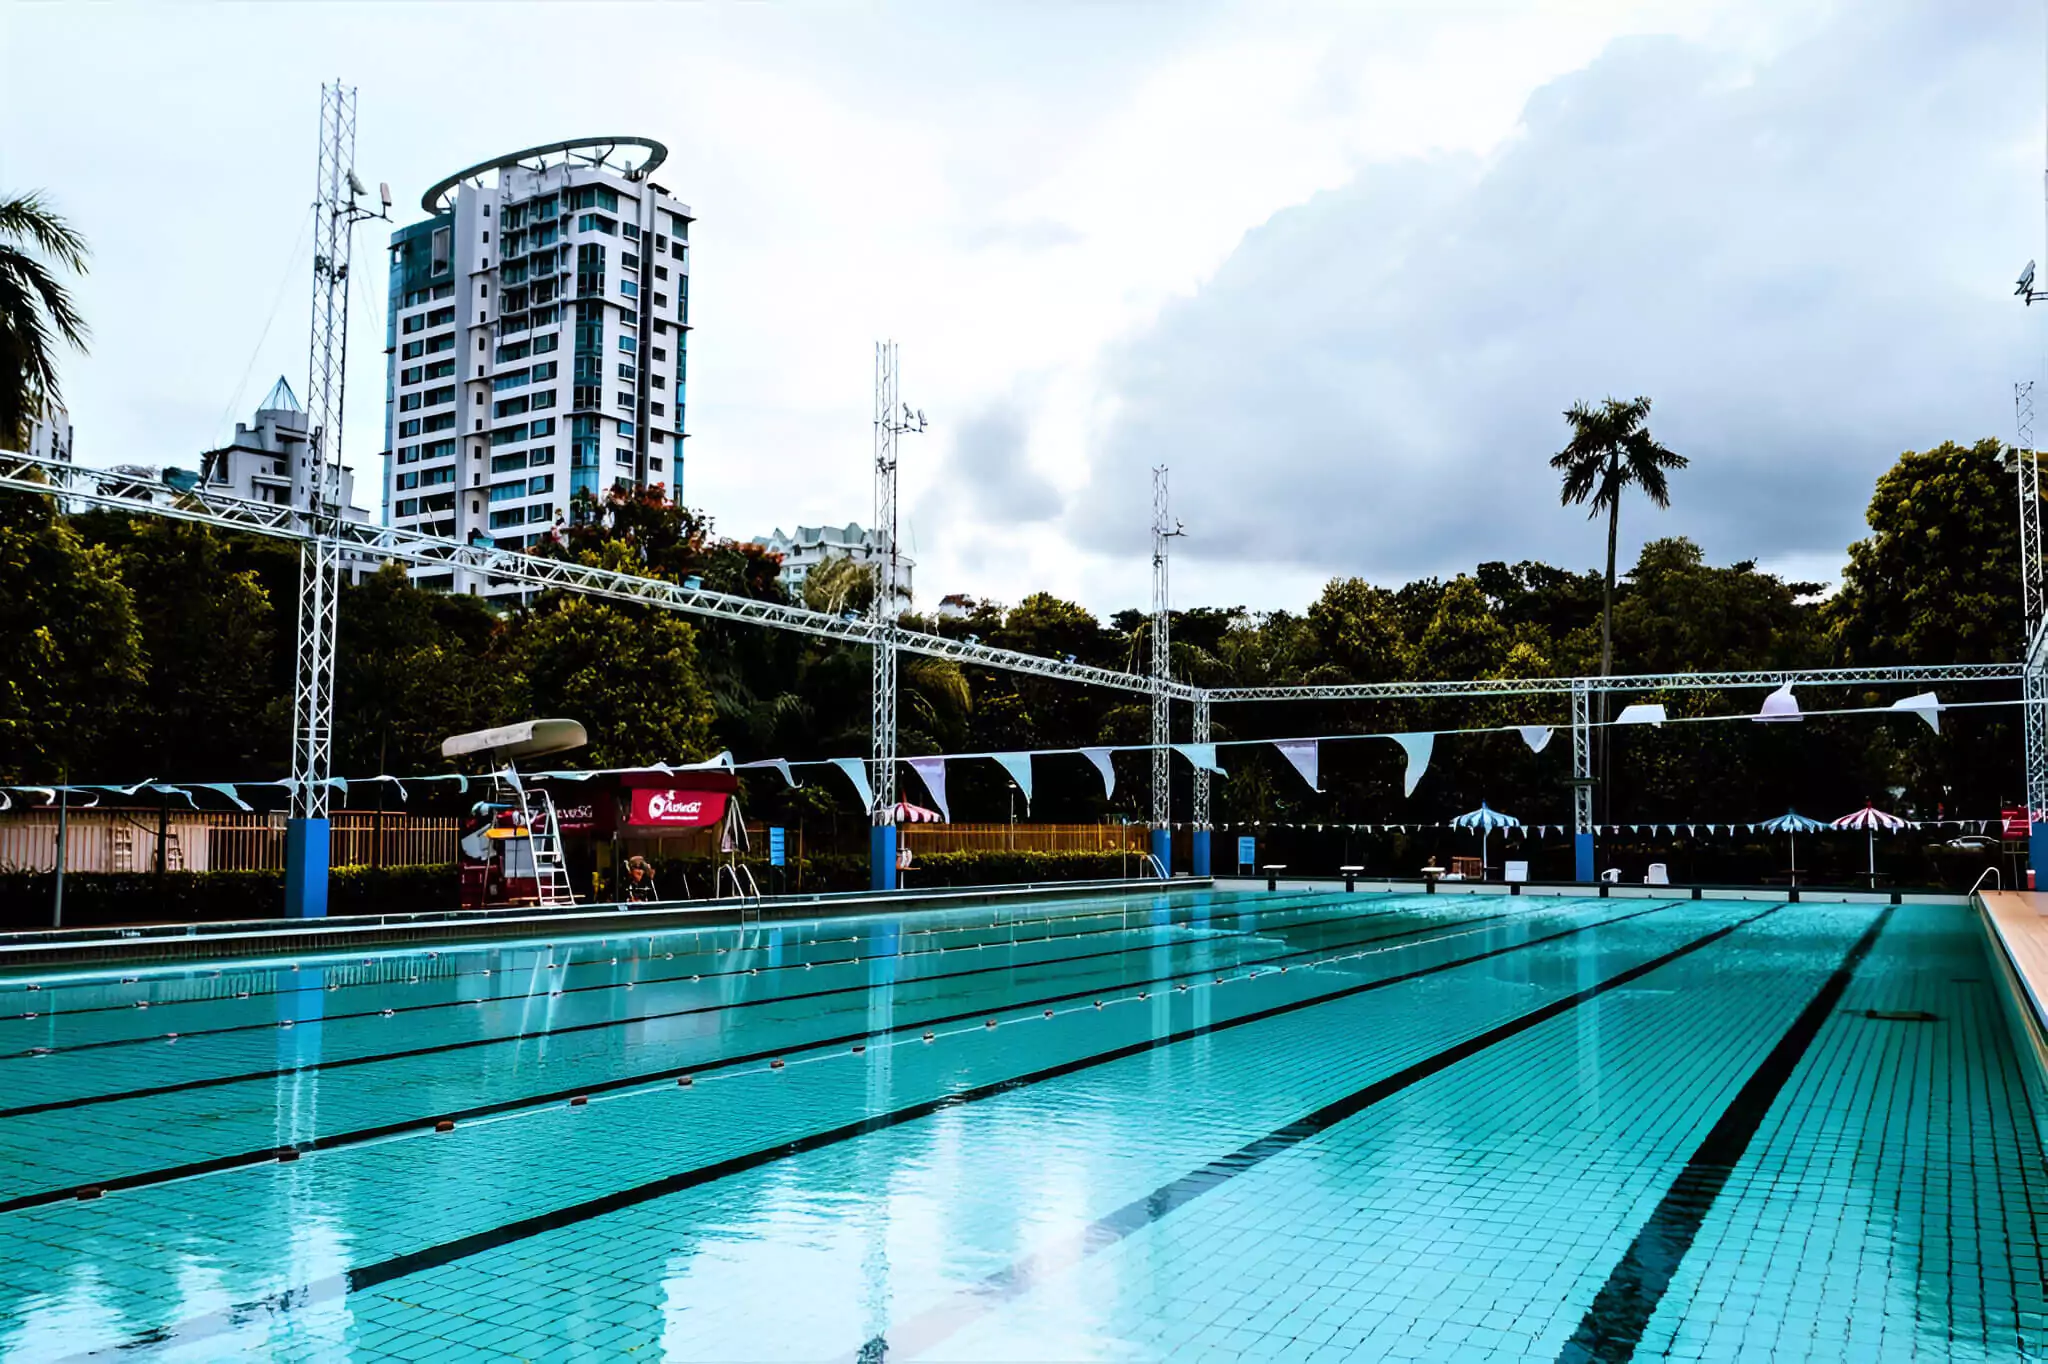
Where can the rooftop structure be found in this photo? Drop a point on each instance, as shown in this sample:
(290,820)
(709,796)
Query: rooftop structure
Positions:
(811,546)
(49,436)
(268,457)
(537,344)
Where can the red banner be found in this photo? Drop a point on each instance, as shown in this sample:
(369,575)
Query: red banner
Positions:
(661,808)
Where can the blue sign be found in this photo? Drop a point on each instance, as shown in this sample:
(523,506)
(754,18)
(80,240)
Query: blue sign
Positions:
(775,847)
(1247,852)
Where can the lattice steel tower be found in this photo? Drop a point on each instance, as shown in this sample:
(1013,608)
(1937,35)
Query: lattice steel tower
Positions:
(316,494)
(1164,528)
(2033,600)
(891,421)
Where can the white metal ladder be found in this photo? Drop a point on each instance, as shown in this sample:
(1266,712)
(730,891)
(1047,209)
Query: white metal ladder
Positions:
(543,842)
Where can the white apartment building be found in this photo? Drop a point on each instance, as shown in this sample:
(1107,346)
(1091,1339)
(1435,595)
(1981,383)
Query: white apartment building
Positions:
(813,545)
(537,345)
(259,465)
(49,436)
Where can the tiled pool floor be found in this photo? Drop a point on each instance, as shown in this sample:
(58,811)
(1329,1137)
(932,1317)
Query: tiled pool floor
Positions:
(1202,1125)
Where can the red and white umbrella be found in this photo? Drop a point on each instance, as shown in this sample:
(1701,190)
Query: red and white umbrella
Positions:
(906,813)
(1870,819)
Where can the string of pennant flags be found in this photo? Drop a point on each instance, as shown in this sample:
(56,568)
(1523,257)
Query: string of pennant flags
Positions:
(1660,829)
(1302,753)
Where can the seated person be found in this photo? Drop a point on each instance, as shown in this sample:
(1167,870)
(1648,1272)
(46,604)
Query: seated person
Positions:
(639,879)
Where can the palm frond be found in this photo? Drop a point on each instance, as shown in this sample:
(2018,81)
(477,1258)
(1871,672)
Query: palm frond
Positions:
(26,218)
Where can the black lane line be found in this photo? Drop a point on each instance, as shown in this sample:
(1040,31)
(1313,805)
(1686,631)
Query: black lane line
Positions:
(432,1257)
(572,942)
(358,1136)
(1613,1326)
(936,1323)
(595,1025)
(272,1025)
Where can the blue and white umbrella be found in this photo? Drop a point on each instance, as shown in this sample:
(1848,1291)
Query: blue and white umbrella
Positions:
(1791,824)
(1485,820)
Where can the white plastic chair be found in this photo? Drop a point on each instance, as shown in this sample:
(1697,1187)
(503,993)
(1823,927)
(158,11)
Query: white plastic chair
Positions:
(1515,871)
(1657,875)
(1612,876)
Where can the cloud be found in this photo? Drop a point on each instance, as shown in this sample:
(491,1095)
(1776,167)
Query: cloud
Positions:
(987,478)
(1802,257)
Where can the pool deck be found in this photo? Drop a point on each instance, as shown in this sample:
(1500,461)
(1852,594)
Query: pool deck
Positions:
(2018,920)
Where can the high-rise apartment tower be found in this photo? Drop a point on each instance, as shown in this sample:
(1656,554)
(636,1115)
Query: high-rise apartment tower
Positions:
(537,343)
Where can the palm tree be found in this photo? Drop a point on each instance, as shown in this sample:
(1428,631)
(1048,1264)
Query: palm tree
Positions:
(35,309)
(1610,451)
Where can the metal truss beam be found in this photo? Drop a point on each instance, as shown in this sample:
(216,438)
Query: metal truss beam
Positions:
(104,488)
(1904,674)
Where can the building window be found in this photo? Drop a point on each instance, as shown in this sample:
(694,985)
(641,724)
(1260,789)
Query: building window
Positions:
(661,272)
(408,454)
(515,516)
(544,398)
(624,400)
(660,354)
(441,317)
(518,378)
(516,351)
(543,344)
(624,457)
(541,483)
(628,260)
(625,430)
(627,374)
(407,506)
(596,222)
(661,300)
(657,409)
(544,427)
(411,350)
(633,231)
(438,396)
(506,492)
(440,449)
(629,288)
(510,435)
(408,402)
(538,512)
(654,464)
(440,343)
(657,381)
(544,455)
(441,421)
(441,371)
(508,407)
(505,464)
(416,323)
(593,196)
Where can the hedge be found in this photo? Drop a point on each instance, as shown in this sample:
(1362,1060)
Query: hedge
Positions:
(97,899)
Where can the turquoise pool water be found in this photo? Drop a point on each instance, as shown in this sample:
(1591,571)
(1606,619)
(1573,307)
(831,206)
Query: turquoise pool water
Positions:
(1192,1125)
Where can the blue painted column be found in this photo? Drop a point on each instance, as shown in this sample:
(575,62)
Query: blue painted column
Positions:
(2037,851)
(1162,848)
(1200,853)
(305,868)
(882,857)
(1582,857)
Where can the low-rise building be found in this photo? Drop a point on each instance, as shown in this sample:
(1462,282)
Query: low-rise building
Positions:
(49,436)
(257,466)
(811,546)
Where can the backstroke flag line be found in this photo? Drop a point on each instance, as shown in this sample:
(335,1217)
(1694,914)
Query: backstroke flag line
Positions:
(1018,765)
(1100,757)
(856,770)
(1418,748)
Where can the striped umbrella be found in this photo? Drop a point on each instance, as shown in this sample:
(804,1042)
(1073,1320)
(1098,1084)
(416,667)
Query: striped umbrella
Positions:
(1870,819)
(1485,820)
(906,813)
(1791,824)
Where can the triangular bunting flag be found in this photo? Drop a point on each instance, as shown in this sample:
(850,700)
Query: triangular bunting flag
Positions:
(1203,756)
(1100,757)
(1926,705)
(1536,736)
(1018,765)
(856,771)
(1779,707)
(1306,755)
(1648,713)
(1418,748)
(932,772)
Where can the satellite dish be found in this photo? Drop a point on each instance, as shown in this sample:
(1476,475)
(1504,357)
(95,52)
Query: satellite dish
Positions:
(355,186)
(2026,284)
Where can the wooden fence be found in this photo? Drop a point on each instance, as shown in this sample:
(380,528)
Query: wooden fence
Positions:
(103,840)
(934,838)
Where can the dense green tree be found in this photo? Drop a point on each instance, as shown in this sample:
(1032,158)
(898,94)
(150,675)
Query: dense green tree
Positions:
(211,710)
(73,648)
(1359,631)
(37,247)
(628,673)
(413,668)
(1935,581)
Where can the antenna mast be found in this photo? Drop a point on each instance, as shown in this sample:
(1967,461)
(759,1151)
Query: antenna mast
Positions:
(1164,528)
(891,421)
(316,493)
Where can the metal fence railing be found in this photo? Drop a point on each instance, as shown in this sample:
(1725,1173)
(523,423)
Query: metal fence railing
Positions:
(104,840)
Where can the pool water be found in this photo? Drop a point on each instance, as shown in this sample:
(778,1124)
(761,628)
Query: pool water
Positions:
(1197,1124)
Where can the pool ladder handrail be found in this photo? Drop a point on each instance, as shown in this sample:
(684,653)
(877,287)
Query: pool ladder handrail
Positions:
(1991,871)
(1158,868)
(745,889)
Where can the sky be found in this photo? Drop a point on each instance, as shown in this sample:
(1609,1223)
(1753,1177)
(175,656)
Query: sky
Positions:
(1340,268)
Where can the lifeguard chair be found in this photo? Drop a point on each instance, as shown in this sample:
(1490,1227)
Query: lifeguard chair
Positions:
(511,845)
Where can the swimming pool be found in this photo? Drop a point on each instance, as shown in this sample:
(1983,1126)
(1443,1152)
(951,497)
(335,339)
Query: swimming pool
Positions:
(1292,1125)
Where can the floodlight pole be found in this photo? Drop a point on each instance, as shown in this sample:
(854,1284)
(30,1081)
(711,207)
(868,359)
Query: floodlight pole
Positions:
(1198,812)
(890,423)
(2034,640)
(316,495)
(1164,528)
(1582,781)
